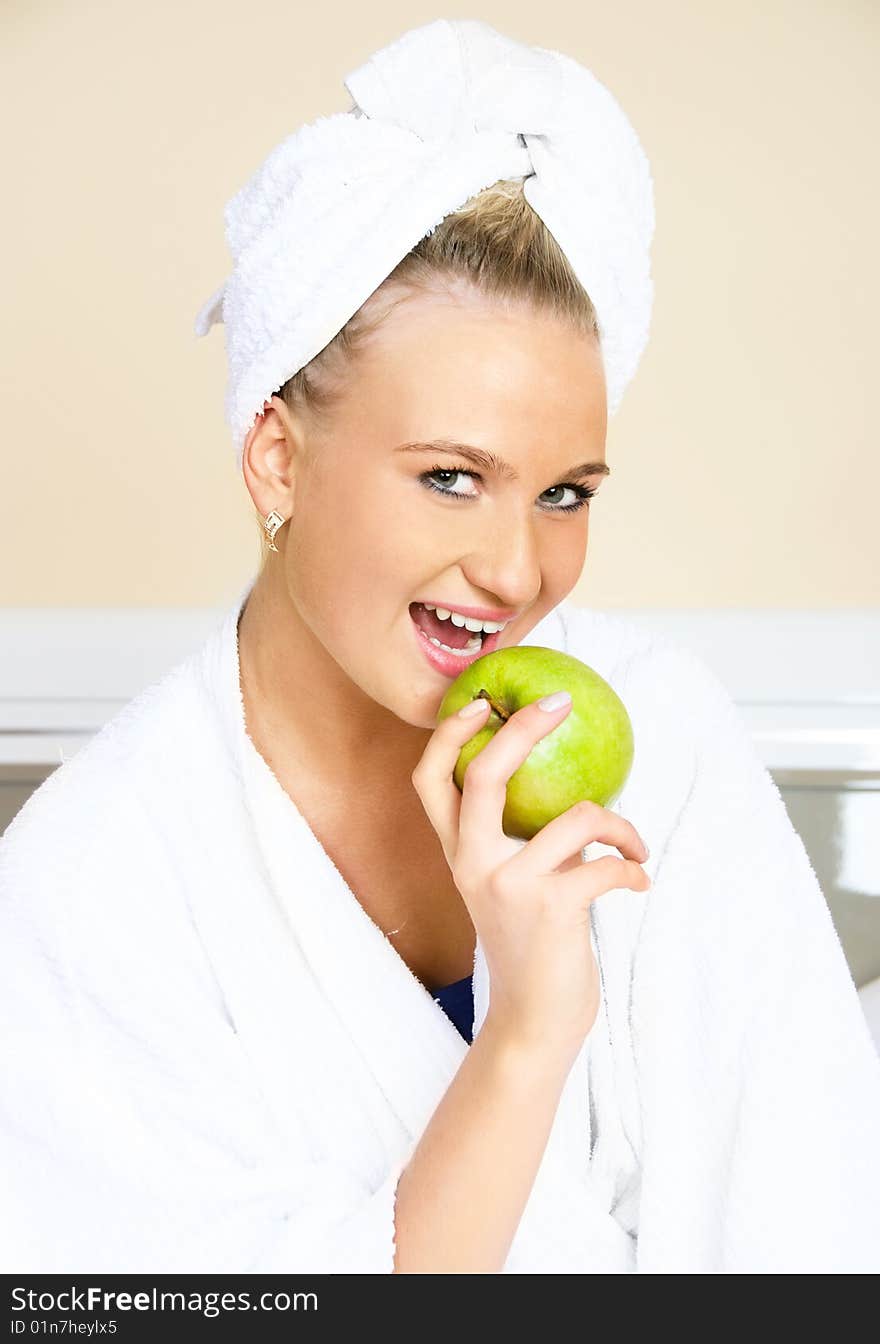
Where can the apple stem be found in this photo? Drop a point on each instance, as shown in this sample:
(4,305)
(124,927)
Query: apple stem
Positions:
(498,708)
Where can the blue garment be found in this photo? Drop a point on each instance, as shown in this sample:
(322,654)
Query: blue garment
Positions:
(457,1002)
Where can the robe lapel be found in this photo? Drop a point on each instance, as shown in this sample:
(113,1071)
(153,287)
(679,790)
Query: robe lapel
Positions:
(404,1037)
(335,958)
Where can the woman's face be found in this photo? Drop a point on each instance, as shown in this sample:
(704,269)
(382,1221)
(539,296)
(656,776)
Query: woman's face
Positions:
(379,525)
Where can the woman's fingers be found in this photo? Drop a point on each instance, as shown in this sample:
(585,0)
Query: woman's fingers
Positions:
(432,777)
(567,834)
(599,876)
(469,824)
(485,783)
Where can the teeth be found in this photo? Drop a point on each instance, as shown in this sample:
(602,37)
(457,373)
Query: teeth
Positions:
(470,622)
(471,647)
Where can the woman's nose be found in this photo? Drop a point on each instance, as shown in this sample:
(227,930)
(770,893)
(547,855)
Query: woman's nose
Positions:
(505,563)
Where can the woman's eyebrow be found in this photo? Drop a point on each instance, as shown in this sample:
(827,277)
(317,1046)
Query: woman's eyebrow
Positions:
(489,462)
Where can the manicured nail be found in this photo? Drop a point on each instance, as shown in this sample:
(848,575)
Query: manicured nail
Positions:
(555,701)
(473,707)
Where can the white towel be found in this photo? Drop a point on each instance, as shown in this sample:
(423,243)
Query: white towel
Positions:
(442,112)
(214,1061)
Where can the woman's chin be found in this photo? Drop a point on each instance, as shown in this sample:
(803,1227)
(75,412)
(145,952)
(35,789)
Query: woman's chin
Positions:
(419,711)
(425,721)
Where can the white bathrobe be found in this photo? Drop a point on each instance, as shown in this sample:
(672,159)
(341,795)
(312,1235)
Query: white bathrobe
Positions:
(214,1061)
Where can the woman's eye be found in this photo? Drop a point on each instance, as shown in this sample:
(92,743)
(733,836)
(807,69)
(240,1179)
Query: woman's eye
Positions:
(442,486)
(574,490)
(437,479)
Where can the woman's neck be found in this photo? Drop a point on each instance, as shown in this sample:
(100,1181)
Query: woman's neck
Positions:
(297,698)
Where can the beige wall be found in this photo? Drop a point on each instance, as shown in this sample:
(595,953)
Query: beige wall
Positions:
(745,465)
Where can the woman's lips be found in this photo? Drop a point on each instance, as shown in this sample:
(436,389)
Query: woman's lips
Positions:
(451,664)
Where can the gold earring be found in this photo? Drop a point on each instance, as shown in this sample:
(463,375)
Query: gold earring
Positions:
(272,524)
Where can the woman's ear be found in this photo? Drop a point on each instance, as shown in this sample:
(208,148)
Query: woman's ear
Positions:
(271,450)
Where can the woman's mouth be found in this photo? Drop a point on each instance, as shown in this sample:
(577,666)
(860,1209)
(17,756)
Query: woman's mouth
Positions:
(449,648)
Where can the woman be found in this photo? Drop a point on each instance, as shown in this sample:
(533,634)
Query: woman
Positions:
(229,920)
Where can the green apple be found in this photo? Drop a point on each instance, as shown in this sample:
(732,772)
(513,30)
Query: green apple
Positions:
(588,755)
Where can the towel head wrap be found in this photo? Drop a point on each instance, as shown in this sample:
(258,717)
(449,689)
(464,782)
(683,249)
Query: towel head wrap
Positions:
(438,115)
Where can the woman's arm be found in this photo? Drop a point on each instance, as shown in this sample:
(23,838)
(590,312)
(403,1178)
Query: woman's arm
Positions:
(461,1197)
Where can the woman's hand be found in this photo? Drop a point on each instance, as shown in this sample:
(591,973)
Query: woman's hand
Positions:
(530,903)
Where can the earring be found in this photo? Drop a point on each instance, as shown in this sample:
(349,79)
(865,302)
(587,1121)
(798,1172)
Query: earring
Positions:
(272,524)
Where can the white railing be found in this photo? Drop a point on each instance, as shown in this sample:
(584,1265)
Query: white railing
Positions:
(807,682)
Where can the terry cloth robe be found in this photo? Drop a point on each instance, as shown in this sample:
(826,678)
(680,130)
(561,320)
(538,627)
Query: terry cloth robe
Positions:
(215,1062)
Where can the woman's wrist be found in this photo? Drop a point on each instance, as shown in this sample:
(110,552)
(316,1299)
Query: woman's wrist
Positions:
(546,1061)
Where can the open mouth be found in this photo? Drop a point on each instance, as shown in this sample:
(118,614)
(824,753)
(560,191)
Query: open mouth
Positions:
(453,639)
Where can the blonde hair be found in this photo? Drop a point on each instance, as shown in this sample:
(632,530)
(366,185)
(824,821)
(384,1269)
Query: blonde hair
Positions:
(498,243)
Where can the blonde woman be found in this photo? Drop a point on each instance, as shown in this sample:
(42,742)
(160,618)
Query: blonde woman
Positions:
(275,995)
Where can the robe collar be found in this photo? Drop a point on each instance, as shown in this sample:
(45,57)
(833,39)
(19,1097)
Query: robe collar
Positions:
(399,1028)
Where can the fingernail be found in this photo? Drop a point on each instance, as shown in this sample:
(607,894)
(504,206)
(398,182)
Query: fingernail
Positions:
(555,701)
(473,707)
